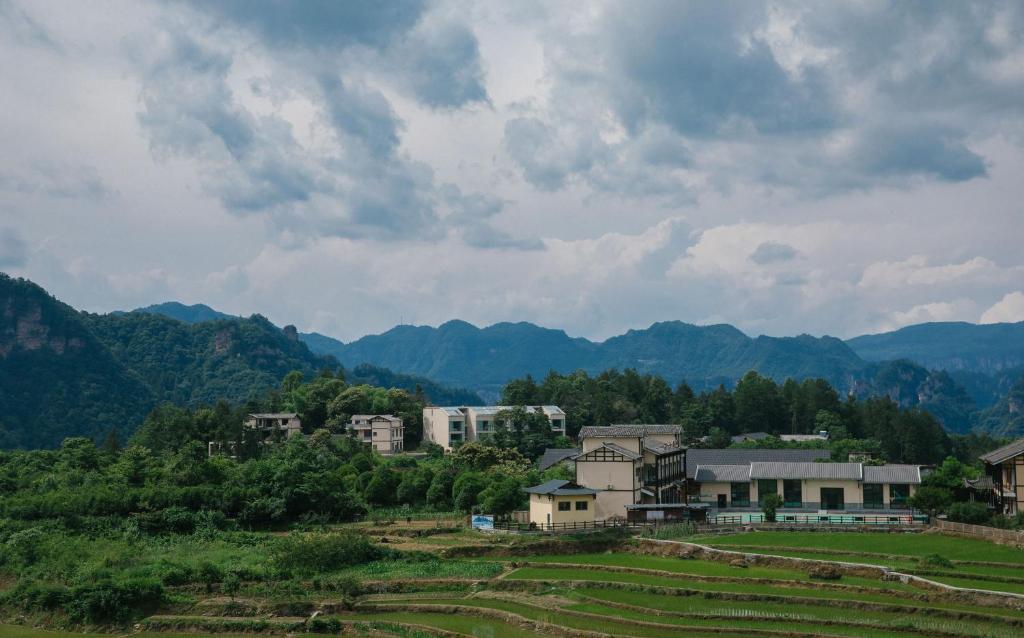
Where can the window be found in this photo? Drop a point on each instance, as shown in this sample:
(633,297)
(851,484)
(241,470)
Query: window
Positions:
(766,487)
(556,424)
(456,426)
(581,506)
(564,506)
(484,425)
(792,493)
(739,494)
(873,496)
(899,494)
(833,498)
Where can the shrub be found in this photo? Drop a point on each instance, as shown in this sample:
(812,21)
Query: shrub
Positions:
(825,572)
(318,553)
(972,513)
(769,505)
(321,625)
(103,601)
(937,560)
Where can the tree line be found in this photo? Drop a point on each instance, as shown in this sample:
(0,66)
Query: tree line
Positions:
(876,426)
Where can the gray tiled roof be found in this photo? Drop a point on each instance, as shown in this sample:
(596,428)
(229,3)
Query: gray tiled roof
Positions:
(552,456)
(594,431)
(560,488)
(1006,452)
(366,417)
(723,473)
(777,470)
(739,456)
(892,474)
(662,448)
(274,415)
(618,449)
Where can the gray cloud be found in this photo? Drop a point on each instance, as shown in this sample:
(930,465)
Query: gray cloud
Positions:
(440,62)
(13,251)
(54,179)
(782,93)
(251,164)
(771,251)
(318,24)
(695,67)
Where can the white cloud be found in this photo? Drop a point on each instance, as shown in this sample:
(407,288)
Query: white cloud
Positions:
(1009,309)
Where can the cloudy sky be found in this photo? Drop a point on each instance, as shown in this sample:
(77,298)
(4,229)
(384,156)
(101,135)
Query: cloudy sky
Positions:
(346,166)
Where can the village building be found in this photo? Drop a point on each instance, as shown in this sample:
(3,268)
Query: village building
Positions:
(452,426)
(274,424)
(384,432)
(808,487)
(641,472)
(561,504)
(631,464)
(1005,467)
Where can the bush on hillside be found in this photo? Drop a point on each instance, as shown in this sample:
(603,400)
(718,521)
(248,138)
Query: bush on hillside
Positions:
(319,553)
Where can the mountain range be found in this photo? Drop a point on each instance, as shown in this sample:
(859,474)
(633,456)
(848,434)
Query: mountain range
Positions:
(70,373)
(963,373)
(65,372)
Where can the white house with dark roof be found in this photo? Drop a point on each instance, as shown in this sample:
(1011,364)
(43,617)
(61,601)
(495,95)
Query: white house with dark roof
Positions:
(451,426)
(560,504)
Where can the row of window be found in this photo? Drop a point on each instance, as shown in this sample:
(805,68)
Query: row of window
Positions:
(792,493)
(485,426)
(565,506)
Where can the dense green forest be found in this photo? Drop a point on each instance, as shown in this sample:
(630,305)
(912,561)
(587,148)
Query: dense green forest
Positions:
(757,404)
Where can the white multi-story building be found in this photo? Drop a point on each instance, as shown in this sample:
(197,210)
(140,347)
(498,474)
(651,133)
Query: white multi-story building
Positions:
(383,431)
(449,426)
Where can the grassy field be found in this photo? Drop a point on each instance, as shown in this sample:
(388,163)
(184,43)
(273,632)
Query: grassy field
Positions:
(615,592)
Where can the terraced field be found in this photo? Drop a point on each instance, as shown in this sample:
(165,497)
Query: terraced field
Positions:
(629,591)
(961,562)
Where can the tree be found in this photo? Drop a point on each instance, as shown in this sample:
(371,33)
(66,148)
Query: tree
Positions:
(769,504)
(381,490)
(502,496)
(931,500)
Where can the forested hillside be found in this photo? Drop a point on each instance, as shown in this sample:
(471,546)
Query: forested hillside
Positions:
(68,373)
(987,348)
(56,378)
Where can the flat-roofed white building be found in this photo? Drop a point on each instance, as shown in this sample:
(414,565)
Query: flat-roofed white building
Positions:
(450,426)
(383,431)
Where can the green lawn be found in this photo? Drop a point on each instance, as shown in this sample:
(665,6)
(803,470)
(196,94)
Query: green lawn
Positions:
(897,545)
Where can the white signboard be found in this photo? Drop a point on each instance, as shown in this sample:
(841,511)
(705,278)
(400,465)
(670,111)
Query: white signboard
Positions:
(483,522)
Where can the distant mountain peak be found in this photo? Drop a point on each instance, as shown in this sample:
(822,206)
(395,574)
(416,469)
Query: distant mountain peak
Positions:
(195,313)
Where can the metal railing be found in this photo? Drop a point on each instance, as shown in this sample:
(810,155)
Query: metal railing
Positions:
(514,526)
(822,519)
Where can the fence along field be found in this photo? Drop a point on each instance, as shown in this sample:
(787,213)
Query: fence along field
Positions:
(605,585)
